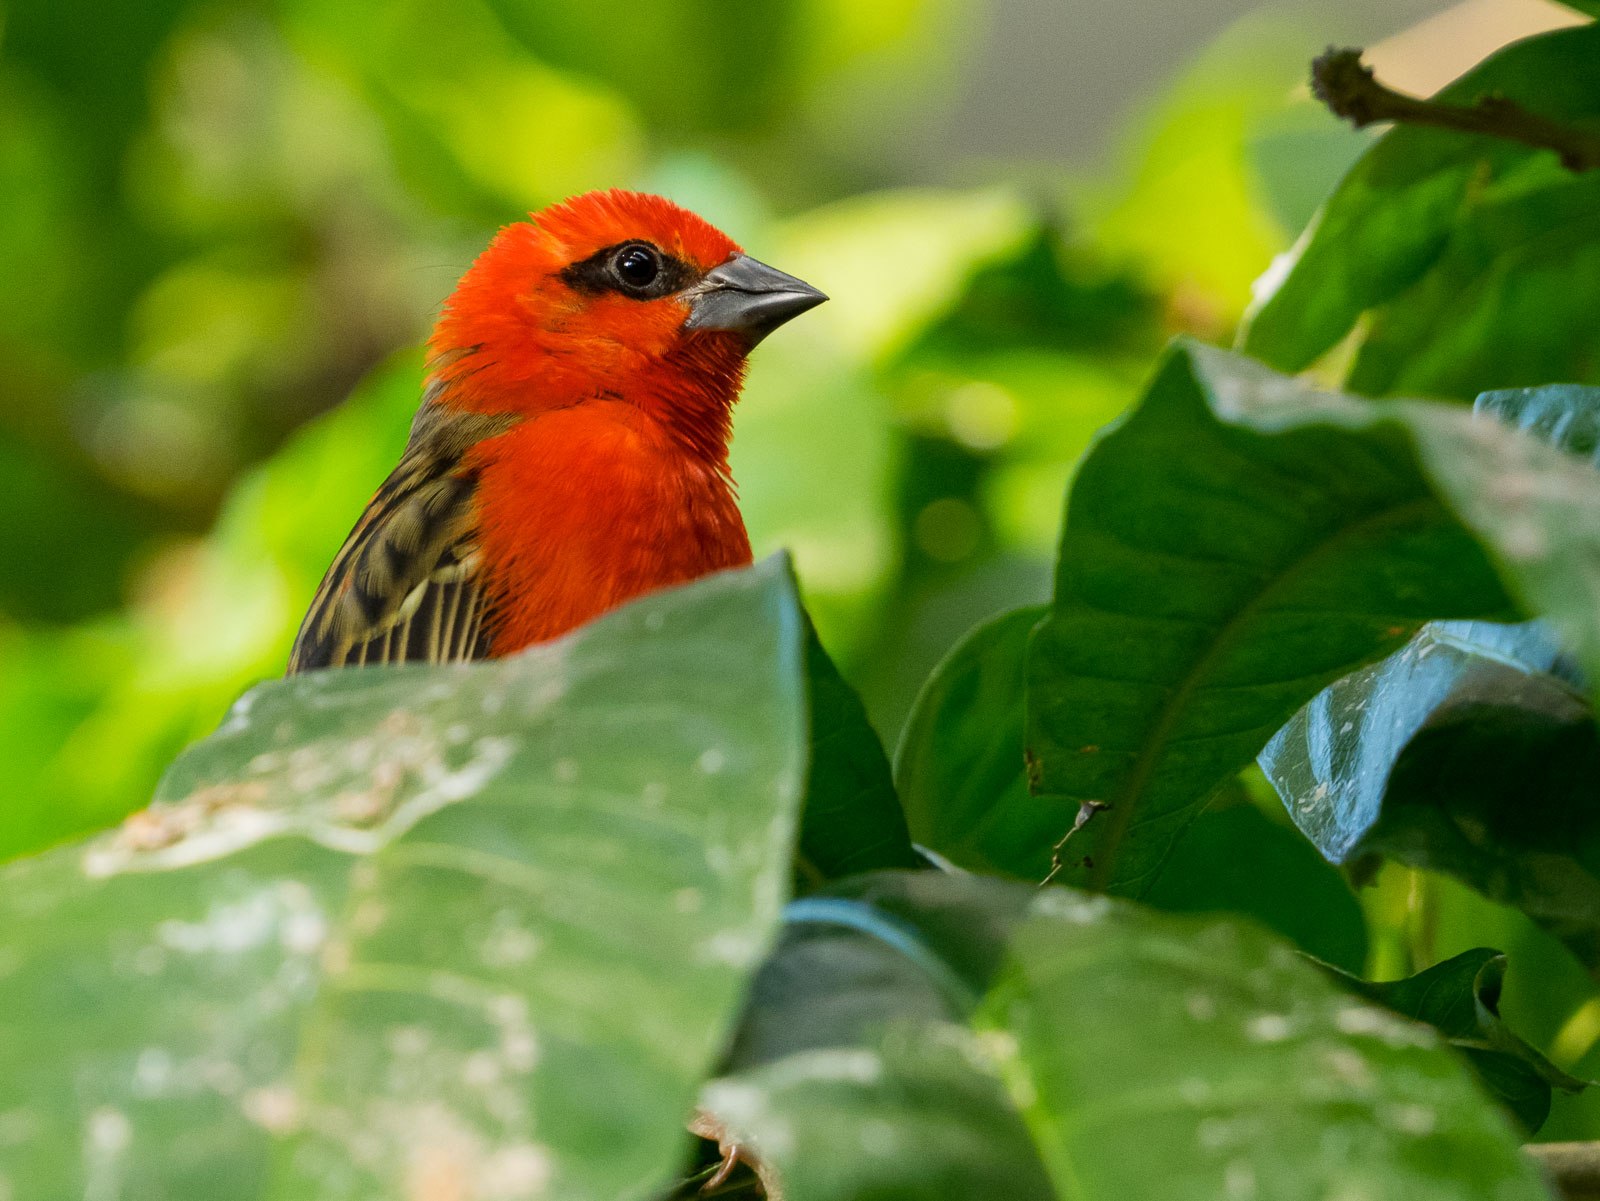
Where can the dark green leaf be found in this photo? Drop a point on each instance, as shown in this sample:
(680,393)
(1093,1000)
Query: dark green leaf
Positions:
(1460,998)
(959,765)
(1471,750)
(1235,859)
(1509,301)
(392,931)
(1239,542)
(852,820)
(1036,297)
(1248,1073)
(960,772)
(875,950)
(1477,253)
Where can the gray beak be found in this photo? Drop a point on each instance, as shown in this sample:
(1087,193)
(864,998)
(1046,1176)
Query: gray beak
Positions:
(748,297)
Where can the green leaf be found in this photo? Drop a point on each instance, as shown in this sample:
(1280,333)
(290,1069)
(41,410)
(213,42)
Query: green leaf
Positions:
(1507,302)
(1332,762)
(1248,1073)
(852,820)
(1431,755)
(1235,859)
(1564,415)
(872,951)
(916,1115)
(393,931)
(1471,250)
(1498,790)
(1460,998)
(959,765)
(960,771)
(1246,1066)
(1239,542)
(851,1033)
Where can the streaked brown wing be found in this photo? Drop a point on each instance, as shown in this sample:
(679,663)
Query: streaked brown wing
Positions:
(405,586)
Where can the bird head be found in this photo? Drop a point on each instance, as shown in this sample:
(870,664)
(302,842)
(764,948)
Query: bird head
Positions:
(609,295)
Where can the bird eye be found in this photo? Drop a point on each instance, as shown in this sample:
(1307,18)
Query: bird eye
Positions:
(637,266)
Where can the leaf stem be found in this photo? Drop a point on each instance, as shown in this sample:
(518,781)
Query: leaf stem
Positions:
(1351,90)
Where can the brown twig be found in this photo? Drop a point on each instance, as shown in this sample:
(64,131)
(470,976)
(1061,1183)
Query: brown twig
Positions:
(1350,90)
(1574,1168)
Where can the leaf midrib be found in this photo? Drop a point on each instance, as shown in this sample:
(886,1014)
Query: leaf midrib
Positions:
(1118,816)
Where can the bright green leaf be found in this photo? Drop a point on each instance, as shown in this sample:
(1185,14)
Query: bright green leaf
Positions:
(1469,248)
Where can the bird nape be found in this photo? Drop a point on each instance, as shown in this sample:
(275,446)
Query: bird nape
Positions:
(571,449)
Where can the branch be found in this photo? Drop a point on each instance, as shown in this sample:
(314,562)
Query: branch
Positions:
(1350,90)
(1573,1167)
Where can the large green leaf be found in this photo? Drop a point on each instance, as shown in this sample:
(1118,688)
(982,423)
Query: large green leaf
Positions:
(1460,998)
(1476,253)
(1097,1050)
(1248,1074)
(470,931)
(1239,542)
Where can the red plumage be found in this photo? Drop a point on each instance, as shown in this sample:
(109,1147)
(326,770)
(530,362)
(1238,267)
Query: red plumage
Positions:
(572,448)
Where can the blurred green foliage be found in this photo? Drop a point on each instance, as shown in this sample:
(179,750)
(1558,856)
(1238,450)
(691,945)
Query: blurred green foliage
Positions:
(226,227)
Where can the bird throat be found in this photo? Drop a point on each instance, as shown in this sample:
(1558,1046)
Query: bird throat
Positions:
(693,395)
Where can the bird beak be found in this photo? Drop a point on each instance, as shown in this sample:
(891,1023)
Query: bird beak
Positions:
(748,297)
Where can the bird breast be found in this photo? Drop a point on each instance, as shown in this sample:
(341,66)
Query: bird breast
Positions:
(583,508)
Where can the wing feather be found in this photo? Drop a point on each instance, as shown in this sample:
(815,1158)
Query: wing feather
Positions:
(405,586)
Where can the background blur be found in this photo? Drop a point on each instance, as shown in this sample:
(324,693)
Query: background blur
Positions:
(225,228)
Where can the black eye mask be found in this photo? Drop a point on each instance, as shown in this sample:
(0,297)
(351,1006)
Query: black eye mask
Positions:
(634,268)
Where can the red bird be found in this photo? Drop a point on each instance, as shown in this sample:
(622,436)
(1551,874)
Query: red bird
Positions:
(571,450)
